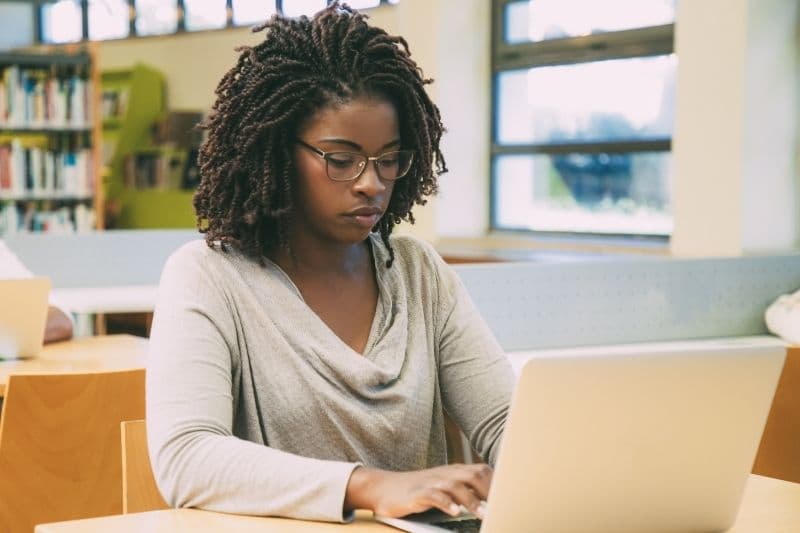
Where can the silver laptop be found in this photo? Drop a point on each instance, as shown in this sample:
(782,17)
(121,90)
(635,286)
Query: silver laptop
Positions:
(631,438)
(23,314)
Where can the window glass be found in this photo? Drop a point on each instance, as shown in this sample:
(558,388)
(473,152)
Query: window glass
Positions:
(295,8)
(248,12)
(539,20)
(109,19)
(62,22)
(629,99)
(16,25)
(156,17)
(205,14)
(621,193)
(363,4)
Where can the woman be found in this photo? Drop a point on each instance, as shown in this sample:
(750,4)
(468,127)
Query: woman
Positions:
(302,359)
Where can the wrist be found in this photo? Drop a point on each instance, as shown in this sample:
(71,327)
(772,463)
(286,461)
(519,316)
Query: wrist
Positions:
(360,488)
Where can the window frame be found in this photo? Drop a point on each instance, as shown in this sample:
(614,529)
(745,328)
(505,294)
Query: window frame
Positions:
(181,27)
(622,44)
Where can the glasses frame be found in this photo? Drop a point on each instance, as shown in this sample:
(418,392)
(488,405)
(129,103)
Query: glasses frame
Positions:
(363,165)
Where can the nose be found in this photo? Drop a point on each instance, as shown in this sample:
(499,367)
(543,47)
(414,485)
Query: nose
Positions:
(368,183)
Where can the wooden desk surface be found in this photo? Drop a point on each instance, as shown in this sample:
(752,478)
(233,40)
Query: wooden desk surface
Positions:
(86,354)
(769,506)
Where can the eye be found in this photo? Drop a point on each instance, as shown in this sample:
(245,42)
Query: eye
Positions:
(341,159)
(389,160)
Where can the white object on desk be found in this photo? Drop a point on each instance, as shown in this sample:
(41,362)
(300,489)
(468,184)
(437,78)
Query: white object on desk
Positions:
(86,301)
(119,299)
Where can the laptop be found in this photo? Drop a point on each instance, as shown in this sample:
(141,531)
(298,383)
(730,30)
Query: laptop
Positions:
(23,314)
(629,438)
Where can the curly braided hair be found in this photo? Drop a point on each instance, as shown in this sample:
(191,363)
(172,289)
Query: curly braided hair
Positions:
(246,164)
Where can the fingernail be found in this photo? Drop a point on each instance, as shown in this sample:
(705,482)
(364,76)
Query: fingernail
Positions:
(454,509)
(481,510)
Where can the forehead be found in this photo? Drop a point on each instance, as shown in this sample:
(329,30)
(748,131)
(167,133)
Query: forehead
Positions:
(360,118)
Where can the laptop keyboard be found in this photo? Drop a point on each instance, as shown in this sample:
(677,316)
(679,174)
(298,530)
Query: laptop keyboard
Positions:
(463,525)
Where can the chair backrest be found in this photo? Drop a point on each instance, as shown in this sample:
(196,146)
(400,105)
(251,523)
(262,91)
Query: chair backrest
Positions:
(139,490)
(779,452)
(60,456)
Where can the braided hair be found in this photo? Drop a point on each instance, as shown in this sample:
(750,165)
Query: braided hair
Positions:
(247,169)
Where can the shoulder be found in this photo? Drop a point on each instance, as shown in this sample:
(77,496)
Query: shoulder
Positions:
(191,252)
(196,261)
(198,253)
(419,263)
(411,249)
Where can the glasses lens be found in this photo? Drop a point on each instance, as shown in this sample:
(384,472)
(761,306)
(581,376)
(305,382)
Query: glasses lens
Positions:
(344,166)
(394,165)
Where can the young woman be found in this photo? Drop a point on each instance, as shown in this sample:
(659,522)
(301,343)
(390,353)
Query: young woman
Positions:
(302,358)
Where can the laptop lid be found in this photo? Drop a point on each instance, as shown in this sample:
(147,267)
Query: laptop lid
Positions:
(629,438)
(23,314)
(648,437)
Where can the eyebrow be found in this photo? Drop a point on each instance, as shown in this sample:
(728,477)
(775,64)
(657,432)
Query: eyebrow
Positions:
(356,145)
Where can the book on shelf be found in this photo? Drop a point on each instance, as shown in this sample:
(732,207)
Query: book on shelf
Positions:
(16,218)
(114,103)
(160,169)
(60,170)
(56,97)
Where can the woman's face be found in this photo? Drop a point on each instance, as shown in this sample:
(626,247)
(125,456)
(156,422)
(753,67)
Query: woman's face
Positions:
(343,211)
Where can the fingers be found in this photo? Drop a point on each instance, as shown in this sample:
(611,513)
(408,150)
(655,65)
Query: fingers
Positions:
(446,488)
(477,477)
(463,495)
(466,485)
(439,499)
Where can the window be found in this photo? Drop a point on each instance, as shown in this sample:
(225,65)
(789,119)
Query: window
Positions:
(109,19)
(205,14)
(156,17)
(62,21)
(583,113)
(295,8)
(17,28)
(249,12)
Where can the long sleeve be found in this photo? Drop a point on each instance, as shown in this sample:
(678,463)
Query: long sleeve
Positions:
(475,374)
(11,267)
(197,460)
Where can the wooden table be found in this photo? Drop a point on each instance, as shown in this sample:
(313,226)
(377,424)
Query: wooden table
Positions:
(86,354)
(769,506)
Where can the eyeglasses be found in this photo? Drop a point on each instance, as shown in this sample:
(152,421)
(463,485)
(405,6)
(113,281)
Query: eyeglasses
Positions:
(348,166)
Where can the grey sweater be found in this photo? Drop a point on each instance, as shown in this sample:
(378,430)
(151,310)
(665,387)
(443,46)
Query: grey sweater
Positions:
(255,406)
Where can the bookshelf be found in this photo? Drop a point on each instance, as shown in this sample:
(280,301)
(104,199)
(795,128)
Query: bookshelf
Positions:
(143,183)
(49,142)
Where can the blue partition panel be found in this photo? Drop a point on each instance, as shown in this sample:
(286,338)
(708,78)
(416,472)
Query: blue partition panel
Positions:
(533,305)
(99,259)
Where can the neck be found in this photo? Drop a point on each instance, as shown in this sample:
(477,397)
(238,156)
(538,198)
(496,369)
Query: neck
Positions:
(321,257)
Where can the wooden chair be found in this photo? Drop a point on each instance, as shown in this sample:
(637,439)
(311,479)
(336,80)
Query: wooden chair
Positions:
(779,452)
(139,490)
(60,455)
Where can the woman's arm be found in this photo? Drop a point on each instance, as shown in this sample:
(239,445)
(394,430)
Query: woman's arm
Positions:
(58,326)
(475,375)
(197,460)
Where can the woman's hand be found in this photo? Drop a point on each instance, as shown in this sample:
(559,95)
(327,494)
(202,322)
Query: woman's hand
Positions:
(395,494)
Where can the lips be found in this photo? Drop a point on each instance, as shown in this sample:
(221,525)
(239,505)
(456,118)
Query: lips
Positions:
(365,216)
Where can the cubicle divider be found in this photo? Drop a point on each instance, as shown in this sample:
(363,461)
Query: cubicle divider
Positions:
(107,279)
(99,259)
(527,305)
(552,305)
